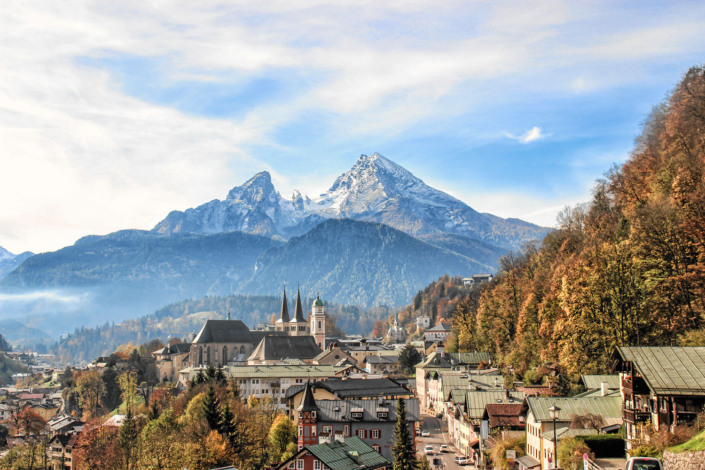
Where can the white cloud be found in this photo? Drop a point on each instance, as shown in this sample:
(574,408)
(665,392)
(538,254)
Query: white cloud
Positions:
(529,136)
(83,157)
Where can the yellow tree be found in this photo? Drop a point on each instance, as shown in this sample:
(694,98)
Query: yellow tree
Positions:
(91,390)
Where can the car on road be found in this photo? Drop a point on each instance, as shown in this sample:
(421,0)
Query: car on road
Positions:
(439,415)
(429,450)
(444,448)
(425,433)
(643,463)
(462,460)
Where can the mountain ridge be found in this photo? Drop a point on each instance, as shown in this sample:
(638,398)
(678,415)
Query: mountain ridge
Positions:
(375,189)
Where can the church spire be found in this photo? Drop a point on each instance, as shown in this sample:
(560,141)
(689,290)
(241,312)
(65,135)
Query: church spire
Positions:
(299,312)
(284,317)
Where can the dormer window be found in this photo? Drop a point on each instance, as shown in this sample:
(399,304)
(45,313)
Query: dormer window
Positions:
(382,414)
(356,415)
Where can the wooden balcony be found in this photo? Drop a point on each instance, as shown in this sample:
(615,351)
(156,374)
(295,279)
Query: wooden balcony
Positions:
(635,386)
(634,416)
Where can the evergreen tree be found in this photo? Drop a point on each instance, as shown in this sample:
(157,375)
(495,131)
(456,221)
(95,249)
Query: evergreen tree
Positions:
(210,373)
(403,449)
(229,429)
(127,440)
(154,411)
(234,388)
(408,358)
(200,378)
(210,409)
(220,376)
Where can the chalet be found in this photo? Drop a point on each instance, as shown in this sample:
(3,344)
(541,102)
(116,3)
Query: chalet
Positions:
(438,333)
(423,321)
(343,454)
(347,389)
(333,355)
(372,421)
(387,364)
(663,385)
(599,413)
(504,416)
(61,451)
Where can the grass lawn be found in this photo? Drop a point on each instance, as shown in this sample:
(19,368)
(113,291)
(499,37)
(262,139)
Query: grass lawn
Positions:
(695,444)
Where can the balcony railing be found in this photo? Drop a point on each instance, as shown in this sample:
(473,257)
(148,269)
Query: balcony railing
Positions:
(634,416)
(635,386)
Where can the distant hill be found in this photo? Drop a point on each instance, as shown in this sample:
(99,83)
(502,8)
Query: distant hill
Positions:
(127,273)
(17,333)
(375,189)
(466,246)
(8,261)
(8,367)
(356,263)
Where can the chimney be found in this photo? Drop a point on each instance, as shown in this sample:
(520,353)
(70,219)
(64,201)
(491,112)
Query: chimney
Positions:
(496,380)
(603,389)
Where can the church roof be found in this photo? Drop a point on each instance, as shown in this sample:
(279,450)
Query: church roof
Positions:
(275,348)
(284,315)
(229,331)
(318,302)
(299,312)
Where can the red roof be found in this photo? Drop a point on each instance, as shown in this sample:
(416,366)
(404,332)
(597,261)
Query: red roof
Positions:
(31,396)
(501,415)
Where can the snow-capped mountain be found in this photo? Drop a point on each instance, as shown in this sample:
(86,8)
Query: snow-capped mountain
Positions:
(374,189)
(9,261)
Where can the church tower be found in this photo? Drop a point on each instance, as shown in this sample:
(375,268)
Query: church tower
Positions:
(283,322)
(298,325)
(307,418)
(318,322)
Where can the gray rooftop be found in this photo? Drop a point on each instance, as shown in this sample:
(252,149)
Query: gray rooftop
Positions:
(608,407)
(669,370)
(339,410)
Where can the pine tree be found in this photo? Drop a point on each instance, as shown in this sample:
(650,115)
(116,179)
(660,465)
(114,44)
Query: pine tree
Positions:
(200,378)
(403,449)
(127,439)
(210,409)
(220,375)
(210,373)
(234,388)
(229,429)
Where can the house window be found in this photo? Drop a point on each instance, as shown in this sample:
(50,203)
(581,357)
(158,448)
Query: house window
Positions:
(376,448)
(375,434)
(291,465)
(346,430)
(313,430)
(328,429)
(299,464)
(361,433)
(316,465)
(301,430)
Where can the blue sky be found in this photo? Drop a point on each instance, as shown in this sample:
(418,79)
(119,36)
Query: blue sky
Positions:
(113,114)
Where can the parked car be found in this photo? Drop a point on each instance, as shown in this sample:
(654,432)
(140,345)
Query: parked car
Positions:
(643,463)
(426,434)
(439,415)
(429,450)
(462,460)
(444,448)
(418,431)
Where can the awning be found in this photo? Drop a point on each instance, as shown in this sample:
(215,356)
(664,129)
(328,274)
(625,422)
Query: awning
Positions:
(528,461)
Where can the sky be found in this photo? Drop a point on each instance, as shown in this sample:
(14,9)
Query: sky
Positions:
(113,114)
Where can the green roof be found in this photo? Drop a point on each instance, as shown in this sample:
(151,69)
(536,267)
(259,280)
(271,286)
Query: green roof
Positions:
(470,358)
(318,302)
(342,455)
(274,371)
(607,407)
(593,382)
(461,380)
(598,393)
(476,400)
(669,370)
(434,361)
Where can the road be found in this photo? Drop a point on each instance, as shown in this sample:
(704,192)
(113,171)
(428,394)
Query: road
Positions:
(434,426)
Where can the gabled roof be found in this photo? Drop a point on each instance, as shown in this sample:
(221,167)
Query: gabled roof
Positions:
(274,348)
(477,400)
(461,380)
(381,360)
(223,331)
(434,361)
(668,370)
(356,388)
(609,408)
(594,382)
(441,327)
(339,410)
(470,358)
(505,414)
(352,454)
(66,441)
(180,348)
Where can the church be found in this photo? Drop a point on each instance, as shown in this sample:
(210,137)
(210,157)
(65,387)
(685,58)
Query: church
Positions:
(298,326)
(230,342)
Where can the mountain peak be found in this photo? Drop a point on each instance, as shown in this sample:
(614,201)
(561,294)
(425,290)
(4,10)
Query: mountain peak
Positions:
(4,254)
(256,189)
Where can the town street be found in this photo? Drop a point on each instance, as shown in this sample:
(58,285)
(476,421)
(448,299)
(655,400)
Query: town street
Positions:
(434,426)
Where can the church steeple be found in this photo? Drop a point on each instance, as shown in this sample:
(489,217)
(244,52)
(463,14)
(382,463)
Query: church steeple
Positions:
(284,316)
(299,312)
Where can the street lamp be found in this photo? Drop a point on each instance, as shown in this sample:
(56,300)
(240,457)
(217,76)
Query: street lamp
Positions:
(555,412)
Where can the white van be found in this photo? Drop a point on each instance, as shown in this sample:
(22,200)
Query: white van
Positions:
(643,463)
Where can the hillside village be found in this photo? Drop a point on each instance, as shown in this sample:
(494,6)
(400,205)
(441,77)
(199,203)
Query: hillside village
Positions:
(320,402)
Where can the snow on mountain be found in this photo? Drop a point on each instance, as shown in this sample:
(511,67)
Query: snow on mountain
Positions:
(9,261)
(374,189)
(5,255)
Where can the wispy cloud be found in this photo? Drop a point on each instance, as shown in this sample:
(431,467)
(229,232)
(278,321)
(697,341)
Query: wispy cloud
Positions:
(529,136)
(87,153)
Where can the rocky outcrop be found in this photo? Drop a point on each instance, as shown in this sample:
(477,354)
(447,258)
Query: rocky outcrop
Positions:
(684,461)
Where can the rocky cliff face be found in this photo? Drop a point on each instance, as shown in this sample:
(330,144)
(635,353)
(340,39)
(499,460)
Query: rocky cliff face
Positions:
(375,189)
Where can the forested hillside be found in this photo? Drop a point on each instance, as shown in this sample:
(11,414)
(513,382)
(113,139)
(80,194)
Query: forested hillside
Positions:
(356,263)
(185,318)
(627,268)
